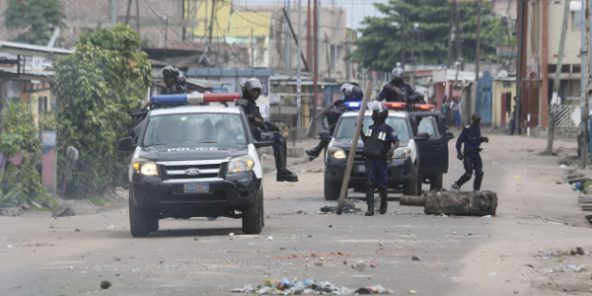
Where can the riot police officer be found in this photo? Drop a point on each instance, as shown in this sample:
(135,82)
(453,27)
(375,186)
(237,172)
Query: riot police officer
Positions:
(173,80)
(332,113)
(380,141)
(262,129)
(397,90)
(472,139)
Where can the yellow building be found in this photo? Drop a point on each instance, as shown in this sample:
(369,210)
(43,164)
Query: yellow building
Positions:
(504,91)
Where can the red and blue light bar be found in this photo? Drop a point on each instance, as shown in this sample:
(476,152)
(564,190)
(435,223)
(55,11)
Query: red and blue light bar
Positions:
(193,98)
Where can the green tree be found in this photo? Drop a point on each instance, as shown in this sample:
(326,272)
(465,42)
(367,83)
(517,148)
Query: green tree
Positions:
(36,17)
(420,28)
(97,87)
(20,183)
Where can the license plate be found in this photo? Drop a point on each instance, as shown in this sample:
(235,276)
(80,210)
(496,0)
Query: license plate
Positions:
(360,168)
(196,188)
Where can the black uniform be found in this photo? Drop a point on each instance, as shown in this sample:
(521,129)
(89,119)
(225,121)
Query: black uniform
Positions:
(472,139)
(397,90)
(378,140)
(178,87)
(267,131)
(332,114)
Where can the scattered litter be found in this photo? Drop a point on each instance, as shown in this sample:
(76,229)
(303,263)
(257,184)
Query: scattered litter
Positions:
(486,216)
(360,265)
(63,211)
(577,251)
(231,234)
(412,292)
(415,258)
(572,267)
(105,285)
(348,207)
(307,287)
(270,238)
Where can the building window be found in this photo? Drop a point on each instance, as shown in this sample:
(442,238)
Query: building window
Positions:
(42,105)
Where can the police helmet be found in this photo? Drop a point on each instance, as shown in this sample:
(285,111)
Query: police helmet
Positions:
(252,84)
(346,89)
(397,72)
(357,93)
(170,72)
(379,112)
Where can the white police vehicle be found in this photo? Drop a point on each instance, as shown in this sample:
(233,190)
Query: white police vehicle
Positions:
(194,161)
(422,150)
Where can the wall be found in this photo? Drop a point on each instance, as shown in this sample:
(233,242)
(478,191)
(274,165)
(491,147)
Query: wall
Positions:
(501,120)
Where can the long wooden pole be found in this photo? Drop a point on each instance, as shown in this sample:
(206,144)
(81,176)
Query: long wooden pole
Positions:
(352,149)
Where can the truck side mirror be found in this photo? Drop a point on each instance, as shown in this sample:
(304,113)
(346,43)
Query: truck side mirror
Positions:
(449,135)
(126,144)
(260,144)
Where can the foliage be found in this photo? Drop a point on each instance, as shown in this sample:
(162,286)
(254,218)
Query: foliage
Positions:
(20,184)
(97,87)
(47,121)
(37,17)
(393,37)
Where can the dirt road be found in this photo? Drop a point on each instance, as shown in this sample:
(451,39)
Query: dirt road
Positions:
(520,251)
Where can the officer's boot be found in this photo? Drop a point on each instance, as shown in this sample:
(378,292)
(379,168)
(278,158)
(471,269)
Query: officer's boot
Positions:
(477,181)
(370,199)
(383,199)
(314,152)
(280,155)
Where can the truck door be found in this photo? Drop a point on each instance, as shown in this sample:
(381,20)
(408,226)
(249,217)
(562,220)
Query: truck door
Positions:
(433,152)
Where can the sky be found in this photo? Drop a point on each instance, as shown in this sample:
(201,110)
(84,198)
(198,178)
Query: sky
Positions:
(360,8)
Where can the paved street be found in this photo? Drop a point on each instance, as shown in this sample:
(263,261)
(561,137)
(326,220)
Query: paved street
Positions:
(516,252)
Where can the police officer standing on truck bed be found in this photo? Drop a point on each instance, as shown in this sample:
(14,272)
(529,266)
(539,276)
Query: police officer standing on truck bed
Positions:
(380,140)
(262,129)
(472,139)
(350,93)
(173,80)
(397,90)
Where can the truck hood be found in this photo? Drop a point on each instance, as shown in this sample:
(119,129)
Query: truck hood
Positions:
(345,144)
(191,152)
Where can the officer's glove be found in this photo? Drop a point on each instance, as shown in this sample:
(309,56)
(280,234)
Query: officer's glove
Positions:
(485,139)
(459,156)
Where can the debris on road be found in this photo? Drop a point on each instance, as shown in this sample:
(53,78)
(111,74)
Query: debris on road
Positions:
(11,211)
(572,267)
(415,258)
(63,211)
(105,284)
(348,207)
(360,265)
(463,203)
(307,287)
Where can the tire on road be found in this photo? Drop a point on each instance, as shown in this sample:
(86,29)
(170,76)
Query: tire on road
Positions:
(253,219)
(436,182)
(414,185)
(332,189)
(140,222)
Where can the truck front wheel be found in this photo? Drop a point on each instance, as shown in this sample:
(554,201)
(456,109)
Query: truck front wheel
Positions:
(253,219)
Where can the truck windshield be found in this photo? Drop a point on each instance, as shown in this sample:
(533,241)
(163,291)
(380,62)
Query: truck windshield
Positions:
(195,128)
(347,126)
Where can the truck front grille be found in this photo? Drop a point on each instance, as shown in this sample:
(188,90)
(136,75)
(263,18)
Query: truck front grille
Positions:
(198,170)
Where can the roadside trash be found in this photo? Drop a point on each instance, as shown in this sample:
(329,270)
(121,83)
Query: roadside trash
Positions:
(63,211)
(589,218)
(307,287)
(572,267)
(415,258)
(348,207)
(577,251)
(270,238)
(412,292)
(105,285)
(360,265)
(231,234)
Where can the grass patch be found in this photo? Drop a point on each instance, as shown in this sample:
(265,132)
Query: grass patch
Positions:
(97,201)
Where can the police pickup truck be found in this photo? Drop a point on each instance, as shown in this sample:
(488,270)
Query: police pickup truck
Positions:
(194,161)
(422,155)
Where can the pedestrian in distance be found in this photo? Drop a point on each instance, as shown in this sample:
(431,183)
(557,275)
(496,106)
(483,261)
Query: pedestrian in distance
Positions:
(265,130)
(470,140)
(380,141)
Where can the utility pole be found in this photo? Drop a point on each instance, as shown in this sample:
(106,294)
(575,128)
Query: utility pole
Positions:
(308,34)
(138,16)
(166,35)
(557,80)
(315,75)
(584,81)
(211,23)
(113,12)
(521,28)
(471,104)
(298,71)
(287,53)
(127,13)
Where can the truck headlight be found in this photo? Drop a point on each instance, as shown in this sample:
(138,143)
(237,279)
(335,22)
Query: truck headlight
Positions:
(241,164)
(145,167)
(336,153)
(402,152)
